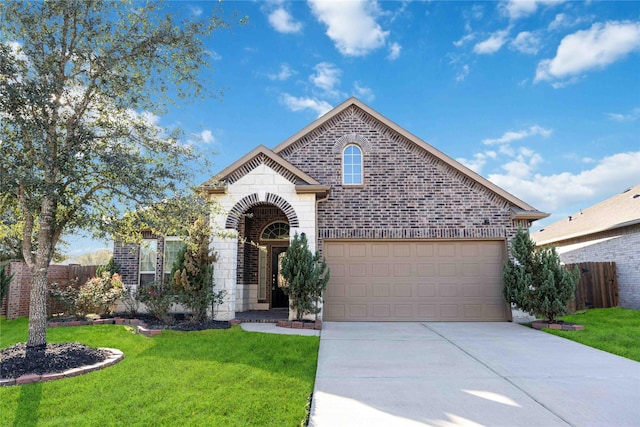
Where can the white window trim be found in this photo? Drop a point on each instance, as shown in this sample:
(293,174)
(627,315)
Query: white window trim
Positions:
(147,272)
(361,165)
(166,269)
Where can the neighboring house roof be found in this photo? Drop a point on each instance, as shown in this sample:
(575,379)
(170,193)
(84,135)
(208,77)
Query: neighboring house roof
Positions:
(618,211)
(520,209)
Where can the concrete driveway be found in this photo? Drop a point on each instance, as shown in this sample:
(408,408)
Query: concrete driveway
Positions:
(471,374)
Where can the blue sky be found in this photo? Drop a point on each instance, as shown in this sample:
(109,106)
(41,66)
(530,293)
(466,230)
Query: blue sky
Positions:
(540,97)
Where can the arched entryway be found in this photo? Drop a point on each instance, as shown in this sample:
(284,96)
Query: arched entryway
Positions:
(263,237)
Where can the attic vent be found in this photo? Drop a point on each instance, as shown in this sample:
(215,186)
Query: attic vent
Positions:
(635,196)
(626,191)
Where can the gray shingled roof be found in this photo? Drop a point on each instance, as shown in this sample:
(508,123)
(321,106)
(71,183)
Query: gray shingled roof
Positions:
(618,211)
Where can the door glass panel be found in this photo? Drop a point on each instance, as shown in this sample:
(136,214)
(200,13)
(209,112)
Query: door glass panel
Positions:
(262,273)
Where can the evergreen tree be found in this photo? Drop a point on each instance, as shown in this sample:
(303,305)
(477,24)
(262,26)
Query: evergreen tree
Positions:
(193,271)
(306,275)
(535,281)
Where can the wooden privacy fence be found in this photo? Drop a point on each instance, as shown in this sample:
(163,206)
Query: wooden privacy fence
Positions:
(16,303)
(598,285)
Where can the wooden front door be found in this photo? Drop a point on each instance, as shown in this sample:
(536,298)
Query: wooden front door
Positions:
(278,298)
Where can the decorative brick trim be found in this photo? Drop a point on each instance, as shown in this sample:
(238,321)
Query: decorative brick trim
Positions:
(414,233)
(141,327)
(114,357)
(543,324)
(293,324)
(252,200)
(351,138)
(257,161)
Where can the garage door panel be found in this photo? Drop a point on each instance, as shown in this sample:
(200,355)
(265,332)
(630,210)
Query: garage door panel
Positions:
(402,270)
(415,280)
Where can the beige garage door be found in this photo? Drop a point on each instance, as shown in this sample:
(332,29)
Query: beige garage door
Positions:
(414,280)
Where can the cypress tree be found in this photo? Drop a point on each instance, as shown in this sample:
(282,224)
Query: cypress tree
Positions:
(306,275)
(535,281)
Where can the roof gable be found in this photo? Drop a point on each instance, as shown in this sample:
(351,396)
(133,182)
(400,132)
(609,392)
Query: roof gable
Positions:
(257,156)
(615,212)
(521,209)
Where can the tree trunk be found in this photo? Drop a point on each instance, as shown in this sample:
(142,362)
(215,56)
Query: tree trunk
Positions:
(37,340)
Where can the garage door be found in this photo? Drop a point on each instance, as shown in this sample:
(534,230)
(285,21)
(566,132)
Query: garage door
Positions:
(414,280)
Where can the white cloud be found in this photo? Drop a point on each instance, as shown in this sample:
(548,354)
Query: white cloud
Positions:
(207,137)
(562,21)
(550,192)
(394,51)
(467,38)
(282,75)
(195,11)
(214,55)
(327,77)
(362,92)
(479,160)
(526,42)
(298,104)
(493,43)
(516,9)
(283,22)
(351,25)
(510,136)
(463,73)
(629,117)
(584,50)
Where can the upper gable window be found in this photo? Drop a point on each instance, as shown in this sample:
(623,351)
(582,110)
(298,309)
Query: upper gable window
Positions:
(352,165)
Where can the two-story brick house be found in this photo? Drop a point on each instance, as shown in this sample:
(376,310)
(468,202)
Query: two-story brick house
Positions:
(408,232)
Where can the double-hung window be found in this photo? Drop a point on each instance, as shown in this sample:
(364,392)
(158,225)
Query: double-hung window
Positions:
(172,247)
(148,260)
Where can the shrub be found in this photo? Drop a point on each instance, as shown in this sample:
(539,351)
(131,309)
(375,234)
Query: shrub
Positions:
(64,297)
(535,281)
(131,302)
(306,275)
(192,273)
(99,294)
(158,298)
(111,267)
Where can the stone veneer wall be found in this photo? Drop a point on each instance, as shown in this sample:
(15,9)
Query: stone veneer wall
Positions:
(255,188)
(621,246)
(407,192)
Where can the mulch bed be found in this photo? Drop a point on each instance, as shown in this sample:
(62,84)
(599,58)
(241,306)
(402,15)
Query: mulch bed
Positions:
(61,357)
(55,358)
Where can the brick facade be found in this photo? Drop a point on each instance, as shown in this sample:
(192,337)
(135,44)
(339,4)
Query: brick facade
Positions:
(621,246)
(407,192)
(410,191)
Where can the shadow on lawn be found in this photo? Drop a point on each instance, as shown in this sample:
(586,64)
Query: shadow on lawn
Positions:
(28,405)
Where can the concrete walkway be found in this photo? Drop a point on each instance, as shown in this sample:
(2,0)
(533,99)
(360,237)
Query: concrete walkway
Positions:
(468,374)
(271,328)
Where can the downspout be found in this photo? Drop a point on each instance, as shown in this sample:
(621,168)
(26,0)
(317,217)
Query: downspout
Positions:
(324,199)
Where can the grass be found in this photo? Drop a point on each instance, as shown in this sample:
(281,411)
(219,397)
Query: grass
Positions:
(216,377)
(615,330)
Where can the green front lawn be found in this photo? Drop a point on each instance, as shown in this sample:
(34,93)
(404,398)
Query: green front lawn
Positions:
(615,330)
(216,377)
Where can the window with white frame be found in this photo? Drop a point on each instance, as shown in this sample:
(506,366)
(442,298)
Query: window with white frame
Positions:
(172,247)
(148,260)
(352,165)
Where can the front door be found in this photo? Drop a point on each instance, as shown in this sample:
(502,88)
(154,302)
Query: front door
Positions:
(278,298)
